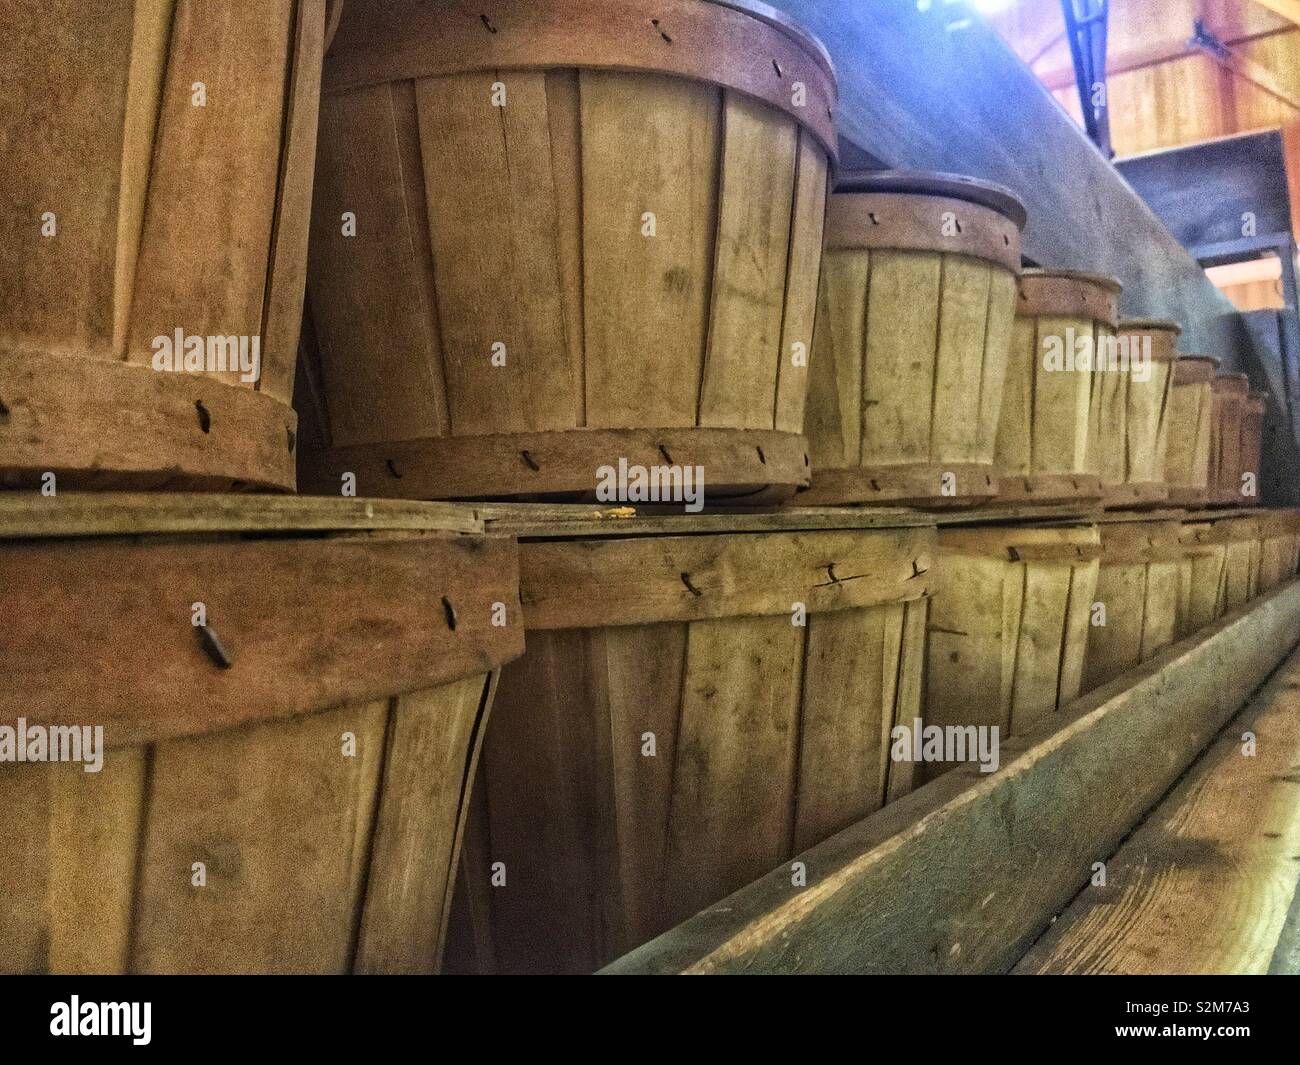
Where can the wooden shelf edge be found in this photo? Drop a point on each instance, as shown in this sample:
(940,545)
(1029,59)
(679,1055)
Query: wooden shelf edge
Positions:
(963,875)
(1204,885)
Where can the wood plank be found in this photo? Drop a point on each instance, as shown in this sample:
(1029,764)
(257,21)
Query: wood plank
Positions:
(105,425)
(564,112)
(644,665)
(84,98)
(806,239)
(492,206)
(834,412)
(902,777)
(755,200)
(1061,408)
(380,361)
(1160,626)
(1205,883)
(1083,593)
(206,242)
(95,823)
(972,621)
(998,340)
(1014,438)
(745,467)
(1108,443)
(431,746)
(547,797)
(902,339)
(1200,589)
(281,820)
(29,515)
(847,711)
(286,282)
(1116,646)
(1047,631)
(565,521)
(26,792)
(145,70)
(964,874)
(649,144)
(734,771)
(959,359)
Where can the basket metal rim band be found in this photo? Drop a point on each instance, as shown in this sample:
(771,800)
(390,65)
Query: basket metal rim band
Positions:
(730,47)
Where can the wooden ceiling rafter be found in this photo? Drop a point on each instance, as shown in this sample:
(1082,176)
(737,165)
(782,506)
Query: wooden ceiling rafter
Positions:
(1288,9)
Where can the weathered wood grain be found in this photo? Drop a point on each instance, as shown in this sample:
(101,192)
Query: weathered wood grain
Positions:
(623,236)
(1205,883)
(964,874)
(109,623)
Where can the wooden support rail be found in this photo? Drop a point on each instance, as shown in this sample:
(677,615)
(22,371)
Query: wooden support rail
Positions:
(1206,882)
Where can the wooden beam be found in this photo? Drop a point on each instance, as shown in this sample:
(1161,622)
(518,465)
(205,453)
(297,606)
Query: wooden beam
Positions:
(30,515)
(964,874)
(1291,157)
(1256,74)
(1150,55)
(1205,884)
(1288,9)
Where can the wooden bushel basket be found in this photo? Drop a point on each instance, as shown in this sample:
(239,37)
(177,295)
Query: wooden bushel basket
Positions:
(673,733)
(1133,414)
(1220,569)
(1279,548)
(1229,393)
(283,788)
(585,231)
(1200,576)
(1188,455)
(914,323)
(1138,585)
(1252,447)
(1047,435)
(158,172)
(1241,562)
(1009,624)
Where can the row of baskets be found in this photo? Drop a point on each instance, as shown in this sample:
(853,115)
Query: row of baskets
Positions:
(531,254)
(528,740)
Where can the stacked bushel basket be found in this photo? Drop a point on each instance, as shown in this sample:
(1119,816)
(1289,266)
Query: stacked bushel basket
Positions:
(464,707)
(588,237)
(237,730)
